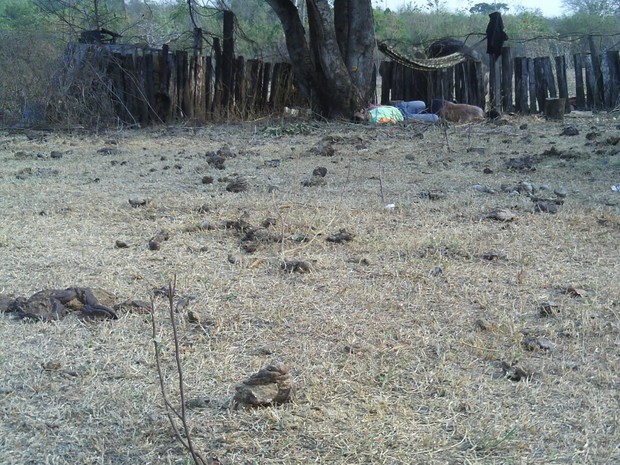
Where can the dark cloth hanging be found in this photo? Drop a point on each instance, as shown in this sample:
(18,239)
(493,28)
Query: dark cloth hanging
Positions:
(495,34)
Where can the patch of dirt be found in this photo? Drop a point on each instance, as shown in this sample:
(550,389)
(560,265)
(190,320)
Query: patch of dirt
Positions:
(421,320)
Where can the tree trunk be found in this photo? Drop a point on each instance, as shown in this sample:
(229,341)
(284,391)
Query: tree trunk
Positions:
(332,64)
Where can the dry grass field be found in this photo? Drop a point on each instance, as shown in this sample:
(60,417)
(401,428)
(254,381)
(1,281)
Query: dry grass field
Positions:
(437,334)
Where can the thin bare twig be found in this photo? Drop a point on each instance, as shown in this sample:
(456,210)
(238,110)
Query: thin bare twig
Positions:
(170,409)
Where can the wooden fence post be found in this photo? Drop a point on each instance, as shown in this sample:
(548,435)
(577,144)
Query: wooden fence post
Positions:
(580,92)
(228,56)
(494,82)
(531,73)
(613,61)
(592,96)
(521,85)
(597,76)
(560,67)
(506,76)
(385,71)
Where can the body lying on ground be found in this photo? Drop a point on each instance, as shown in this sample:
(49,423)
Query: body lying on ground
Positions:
(397,112)
(417,111)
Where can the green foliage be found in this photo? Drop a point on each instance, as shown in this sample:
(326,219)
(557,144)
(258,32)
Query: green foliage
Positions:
(587,24)
(21,15)
(488,8)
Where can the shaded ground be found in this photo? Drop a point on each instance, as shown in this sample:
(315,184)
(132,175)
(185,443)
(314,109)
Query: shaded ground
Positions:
(442,314)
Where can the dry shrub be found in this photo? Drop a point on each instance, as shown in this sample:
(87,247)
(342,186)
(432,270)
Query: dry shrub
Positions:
(44,84)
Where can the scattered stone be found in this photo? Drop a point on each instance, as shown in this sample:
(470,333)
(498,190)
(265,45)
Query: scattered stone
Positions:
(226,152)
(52,365)
(501,214)
(484,188)
(522,164)
(478,150)
(216,161)
(576,292)
(158,238)
(570,131)
(120,244)
(269,221)
(546,207)
(525,187)
(319,171)
(272,163)
(163,291)
(207,179)
(250,246)
(437,271)
(514,372)
(56,155)
(134,306)
(494,255)
(552,152)
(357,348)
(533,343)
(549,308)
(296,266)
(410,157)
(434,194)
(136,202)
(483,324)
(323,148)
(194,317)
(233,259)
(237,185)
(314,181)
(561,192)
(202,226)
(592,135)
(523,126)
(487,171)
(198,403)
(204,208)
(342,236)
(109,151)
(272,385)
(24,173)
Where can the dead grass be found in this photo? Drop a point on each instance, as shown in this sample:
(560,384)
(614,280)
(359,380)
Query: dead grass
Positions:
(388,354)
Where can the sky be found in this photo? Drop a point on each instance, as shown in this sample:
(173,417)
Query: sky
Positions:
(549,8)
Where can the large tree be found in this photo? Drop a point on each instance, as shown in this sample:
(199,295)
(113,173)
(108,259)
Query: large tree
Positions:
(333,59)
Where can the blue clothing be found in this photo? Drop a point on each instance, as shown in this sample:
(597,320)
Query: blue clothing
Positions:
(414,111)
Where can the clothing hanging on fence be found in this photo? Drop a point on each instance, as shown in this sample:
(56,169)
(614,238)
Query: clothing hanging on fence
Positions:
(495,34)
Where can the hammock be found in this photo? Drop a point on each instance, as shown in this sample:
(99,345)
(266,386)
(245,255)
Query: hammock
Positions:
(423,64)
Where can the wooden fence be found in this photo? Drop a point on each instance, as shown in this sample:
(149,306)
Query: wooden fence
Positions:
(518,84)
(159,85)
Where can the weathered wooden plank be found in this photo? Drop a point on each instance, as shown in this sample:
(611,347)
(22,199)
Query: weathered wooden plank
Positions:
(597,76)
(521,85)
(548,77)
(593,101)
(396,82)
(240,87)
(478,87)
(613,61)
(531,73)
(494,82)
(560,66)
(580,92)
(385,71)
(228,57)
(507,74)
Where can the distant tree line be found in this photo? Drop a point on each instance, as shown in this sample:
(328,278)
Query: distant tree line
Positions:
(259,33)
